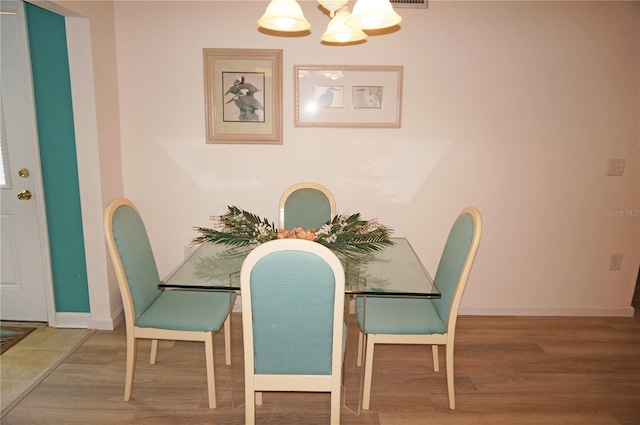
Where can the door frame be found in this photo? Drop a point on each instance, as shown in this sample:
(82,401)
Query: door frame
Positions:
(105,308)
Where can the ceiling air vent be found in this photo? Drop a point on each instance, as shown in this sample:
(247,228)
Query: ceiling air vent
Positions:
(416,4)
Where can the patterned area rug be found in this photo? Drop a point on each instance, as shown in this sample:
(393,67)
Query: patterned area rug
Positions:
(10,335)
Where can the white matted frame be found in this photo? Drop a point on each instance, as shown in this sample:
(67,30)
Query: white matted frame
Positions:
(370,96)
(243,95)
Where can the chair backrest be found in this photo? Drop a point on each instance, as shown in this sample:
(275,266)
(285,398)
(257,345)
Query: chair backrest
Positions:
(455,263)
(132,258)
(292,309)
(306,205)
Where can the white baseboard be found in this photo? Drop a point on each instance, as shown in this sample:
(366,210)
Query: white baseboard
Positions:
(86,321)
(106,324)
(498,311)
(587,312)
(72,320)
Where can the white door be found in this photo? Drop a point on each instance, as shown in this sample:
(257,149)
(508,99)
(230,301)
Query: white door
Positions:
(22,273)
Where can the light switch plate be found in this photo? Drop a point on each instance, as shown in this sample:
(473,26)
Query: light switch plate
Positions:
(616,167)
(616,262)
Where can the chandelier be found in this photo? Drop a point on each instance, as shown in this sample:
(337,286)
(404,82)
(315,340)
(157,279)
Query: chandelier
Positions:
(344,27)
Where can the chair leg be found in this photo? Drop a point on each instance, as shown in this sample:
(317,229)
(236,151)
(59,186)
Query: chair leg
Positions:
(368,372)
(360,355)
(131,364)
(154,351)
(249,406)
(436,362)
(449,367)
(227,340)
(335,406)
(211,377)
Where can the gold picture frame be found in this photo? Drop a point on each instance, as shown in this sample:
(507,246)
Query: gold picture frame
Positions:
(348,96)
(243,95)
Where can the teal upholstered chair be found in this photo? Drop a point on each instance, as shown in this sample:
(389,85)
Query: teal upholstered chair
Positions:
(306,205)
(423,321)
(154,314)
(293,321)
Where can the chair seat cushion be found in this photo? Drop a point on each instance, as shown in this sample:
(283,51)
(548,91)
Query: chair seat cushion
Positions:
(410,316)
(188,311)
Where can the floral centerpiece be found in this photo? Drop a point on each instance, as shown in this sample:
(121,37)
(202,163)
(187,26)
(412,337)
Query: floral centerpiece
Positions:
(348,235)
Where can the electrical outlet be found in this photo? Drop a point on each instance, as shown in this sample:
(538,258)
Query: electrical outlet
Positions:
(616,262)
(616,167)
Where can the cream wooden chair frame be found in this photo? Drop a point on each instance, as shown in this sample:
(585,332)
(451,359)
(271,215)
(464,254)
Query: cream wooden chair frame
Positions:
(298,186)
(255,384)
(134,333)
(447,339)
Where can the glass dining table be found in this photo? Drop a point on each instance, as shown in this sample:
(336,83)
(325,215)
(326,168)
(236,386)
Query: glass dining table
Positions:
(395,271)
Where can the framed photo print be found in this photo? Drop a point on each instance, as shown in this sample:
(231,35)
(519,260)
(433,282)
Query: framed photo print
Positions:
(243,95)
(348,96)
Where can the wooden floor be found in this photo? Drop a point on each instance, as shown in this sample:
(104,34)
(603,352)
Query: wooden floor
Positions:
(509,370)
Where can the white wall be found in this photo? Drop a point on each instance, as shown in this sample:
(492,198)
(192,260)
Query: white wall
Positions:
(513,107)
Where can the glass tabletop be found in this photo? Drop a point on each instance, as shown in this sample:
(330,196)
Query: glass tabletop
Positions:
(395,271)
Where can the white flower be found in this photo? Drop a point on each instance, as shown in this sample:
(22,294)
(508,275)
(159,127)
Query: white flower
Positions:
(324,230)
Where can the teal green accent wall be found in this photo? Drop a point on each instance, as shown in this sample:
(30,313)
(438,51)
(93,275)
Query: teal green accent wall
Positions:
(52,89)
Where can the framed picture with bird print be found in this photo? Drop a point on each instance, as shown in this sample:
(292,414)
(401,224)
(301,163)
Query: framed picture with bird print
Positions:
(243,95)
(348,96)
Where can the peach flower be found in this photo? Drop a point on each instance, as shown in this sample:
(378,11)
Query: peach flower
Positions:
(297,233)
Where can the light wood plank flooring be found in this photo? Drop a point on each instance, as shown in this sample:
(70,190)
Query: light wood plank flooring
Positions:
(509,370)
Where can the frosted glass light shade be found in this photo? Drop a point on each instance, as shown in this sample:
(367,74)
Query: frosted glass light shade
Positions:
(338,32)
(284,15)
(332,5)
(373,15)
